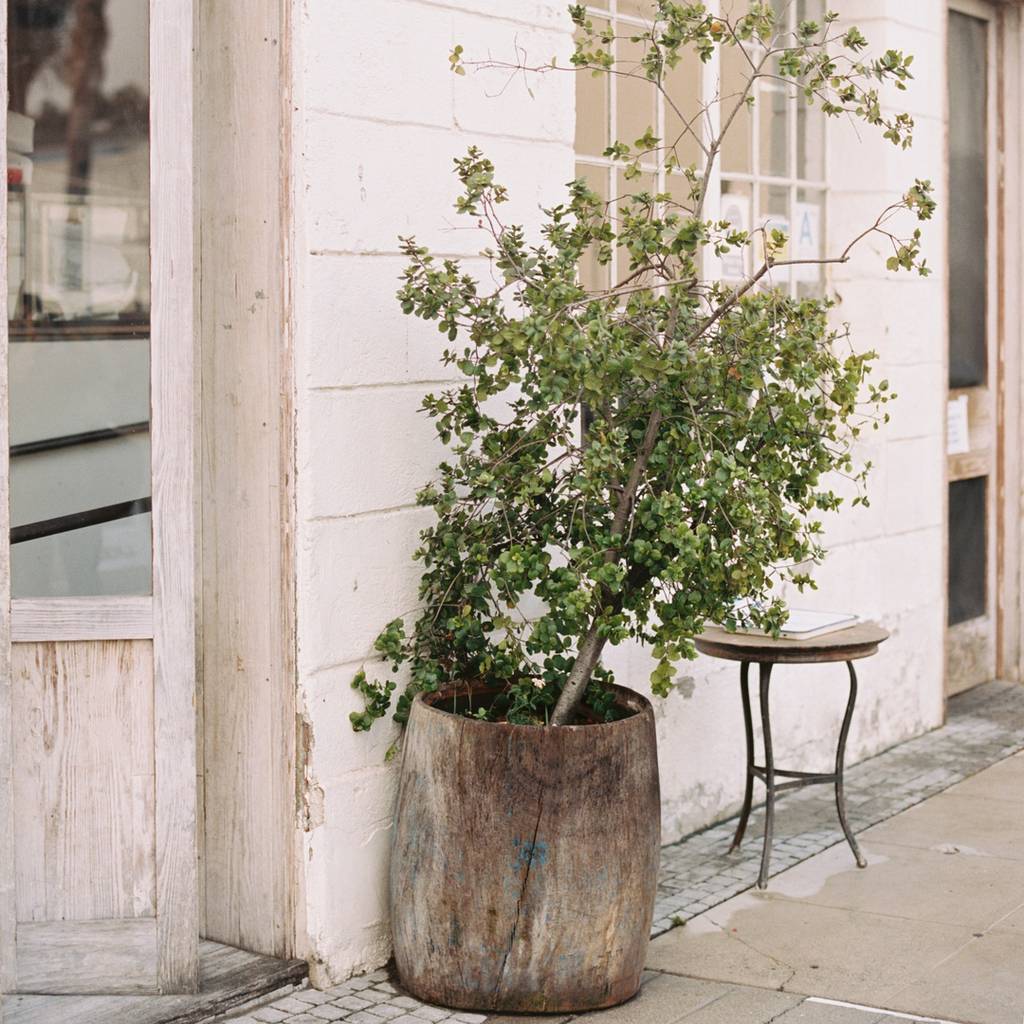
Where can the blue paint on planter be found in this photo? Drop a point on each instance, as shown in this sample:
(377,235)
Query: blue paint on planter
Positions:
(529,853)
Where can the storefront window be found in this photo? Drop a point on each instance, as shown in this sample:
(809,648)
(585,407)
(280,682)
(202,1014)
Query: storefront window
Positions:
(78,297)
(772,163)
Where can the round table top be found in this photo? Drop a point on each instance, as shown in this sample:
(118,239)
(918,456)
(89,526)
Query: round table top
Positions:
(857,641)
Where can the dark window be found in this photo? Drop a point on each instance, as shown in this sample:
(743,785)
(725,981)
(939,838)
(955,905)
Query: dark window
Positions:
(967,550)
(968,175)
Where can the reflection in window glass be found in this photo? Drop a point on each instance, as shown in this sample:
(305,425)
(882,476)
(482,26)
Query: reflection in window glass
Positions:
(78,297)
(968,223)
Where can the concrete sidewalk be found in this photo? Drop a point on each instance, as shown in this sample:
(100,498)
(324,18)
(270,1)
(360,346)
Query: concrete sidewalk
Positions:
(933,928)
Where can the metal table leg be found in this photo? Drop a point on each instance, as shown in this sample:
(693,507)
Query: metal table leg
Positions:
(840,765)
(794,780)
(748,794)
(769,774)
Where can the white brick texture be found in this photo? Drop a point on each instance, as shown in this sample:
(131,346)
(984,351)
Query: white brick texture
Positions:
(378,119)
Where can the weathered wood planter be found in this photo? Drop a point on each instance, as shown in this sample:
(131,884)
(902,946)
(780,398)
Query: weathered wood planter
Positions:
(525,860)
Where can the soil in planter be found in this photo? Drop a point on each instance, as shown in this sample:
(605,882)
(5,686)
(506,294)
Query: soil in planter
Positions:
(494,706)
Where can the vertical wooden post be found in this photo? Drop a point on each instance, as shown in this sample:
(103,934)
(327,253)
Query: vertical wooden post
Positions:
(247,648)
(173,343)
(8,915)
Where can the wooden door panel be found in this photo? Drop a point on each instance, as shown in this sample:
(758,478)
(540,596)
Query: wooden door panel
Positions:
(98,874)
(69,957)
(970,655)
(975,375)
(84,785)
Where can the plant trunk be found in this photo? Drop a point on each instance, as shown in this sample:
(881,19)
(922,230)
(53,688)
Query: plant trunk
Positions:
(589,651)
(587,657)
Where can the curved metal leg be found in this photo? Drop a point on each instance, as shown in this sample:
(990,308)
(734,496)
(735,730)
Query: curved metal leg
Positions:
(840,761)
(769,775)
(748,724)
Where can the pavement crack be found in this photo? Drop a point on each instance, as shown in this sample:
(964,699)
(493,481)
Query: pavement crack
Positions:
(735,936)
(1001,919)
(782,1013)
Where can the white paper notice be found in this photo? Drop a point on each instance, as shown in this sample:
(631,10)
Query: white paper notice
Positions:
(958,438)
(736,210)
(806,242)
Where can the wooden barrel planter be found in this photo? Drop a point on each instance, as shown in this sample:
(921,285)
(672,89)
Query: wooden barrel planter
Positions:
(525,859)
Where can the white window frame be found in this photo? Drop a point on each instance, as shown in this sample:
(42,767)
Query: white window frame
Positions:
(710,76)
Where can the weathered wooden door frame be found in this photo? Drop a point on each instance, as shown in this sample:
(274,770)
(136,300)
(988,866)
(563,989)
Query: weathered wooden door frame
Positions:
(1006,336)
(169,616)
(1010,313)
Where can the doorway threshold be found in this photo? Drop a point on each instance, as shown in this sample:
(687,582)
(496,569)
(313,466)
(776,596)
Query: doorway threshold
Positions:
(230,979)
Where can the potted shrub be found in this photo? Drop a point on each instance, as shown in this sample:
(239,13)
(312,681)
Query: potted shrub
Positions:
(624,464)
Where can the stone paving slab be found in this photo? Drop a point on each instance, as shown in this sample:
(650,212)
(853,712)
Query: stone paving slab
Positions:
(924,931)
(810,1011)
(984,726)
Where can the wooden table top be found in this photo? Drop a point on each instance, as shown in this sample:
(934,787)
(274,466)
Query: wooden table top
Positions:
(857,641)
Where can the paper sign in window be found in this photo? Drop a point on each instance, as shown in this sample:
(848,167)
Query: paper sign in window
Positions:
(958,438)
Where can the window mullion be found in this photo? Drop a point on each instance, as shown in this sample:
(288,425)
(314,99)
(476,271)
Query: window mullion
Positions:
(755,174)
(613,134)
(794,171)
(711,125)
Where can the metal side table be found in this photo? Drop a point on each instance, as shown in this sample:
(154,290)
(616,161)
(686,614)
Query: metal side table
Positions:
(860,641)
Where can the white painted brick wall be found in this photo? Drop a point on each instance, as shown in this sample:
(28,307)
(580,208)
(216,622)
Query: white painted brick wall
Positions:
(378,119)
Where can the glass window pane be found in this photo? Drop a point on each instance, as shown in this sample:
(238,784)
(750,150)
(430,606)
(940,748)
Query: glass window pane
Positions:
(624,189)
(736,145)
(809,242)
(967,550)
(810,10)
(968,172)
(783,16)
(592,129)
(810,141)
(594,276)
(637,8)
(773,127)
(635,94)
(784,26)
(79,297)
(683,123)
(775,214)
(735,209)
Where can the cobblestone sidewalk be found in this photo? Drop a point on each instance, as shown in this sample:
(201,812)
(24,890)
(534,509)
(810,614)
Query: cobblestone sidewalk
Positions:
(983,727)
(369,999)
